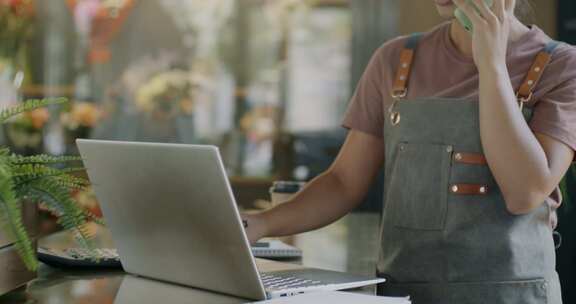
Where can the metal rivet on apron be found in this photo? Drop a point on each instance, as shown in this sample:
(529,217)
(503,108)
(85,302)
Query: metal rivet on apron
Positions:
(404,65)
(455,189)
(483,190)
(537,69)
(530,82)
(458,156)
(544,286)
(449,149)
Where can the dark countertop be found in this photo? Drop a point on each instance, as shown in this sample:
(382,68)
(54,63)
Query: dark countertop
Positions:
(348,245)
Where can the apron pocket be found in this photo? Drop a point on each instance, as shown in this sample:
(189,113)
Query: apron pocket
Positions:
(417,193)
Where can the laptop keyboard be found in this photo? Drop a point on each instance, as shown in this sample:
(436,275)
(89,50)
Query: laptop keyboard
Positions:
(278,282)
(86,254)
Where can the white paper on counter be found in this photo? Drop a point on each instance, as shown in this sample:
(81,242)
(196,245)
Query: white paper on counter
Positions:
(336,297)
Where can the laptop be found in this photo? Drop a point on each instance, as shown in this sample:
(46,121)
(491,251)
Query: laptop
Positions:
(173,218)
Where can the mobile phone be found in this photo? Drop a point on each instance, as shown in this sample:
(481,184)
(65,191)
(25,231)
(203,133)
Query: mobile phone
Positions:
(464,20)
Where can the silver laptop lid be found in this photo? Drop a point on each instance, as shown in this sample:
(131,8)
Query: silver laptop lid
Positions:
(172,214)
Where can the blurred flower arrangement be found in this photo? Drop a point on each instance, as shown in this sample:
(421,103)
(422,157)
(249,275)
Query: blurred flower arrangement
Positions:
(200,22)
(25,131)
(16,20)
(279,10)
(81,115)
(78,121)
(259,124)
(259,127)
(98,22)
(16,27)
(168,94)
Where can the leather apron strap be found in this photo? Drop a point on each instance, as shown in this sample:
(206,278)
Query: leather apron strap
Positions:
(524,94)
(526,91)
(400,88)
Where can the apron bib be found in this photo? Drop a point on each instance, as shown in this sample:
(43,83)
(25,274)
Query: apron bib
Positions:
(447,236)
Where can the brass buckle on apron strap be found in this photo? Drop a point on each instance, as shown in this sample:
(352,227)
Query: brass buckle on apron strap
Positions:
(522,100)
(395,116)
(397,95)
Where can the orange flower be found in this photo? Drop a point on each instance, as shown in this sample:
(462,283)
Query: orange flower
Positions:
(38,117)
(85,114)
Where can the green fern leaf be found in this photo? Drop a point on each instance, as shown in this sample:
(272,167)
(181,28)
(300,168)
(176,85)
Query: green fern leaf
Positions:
(71,182)
(12,217)
(4,151)
(43,159)
(26,173)
(38,170)
(58,200)
(93,217)
(28,106)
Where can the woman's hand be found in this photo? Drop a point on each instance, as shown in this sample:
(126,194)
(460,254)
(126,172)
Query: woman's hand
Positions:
(256,227)
(491,30)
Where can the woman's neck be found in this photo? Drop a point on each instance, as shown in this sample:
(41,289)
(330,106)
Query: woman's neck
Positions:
(463,39)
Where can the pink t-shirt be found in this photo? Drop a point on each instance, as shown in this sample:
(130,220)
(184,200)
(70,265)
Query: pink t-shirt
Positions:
(440,70)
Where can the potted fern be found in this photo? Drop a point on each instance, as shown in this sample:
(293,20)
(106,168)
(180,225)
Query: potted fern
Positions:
(24,182)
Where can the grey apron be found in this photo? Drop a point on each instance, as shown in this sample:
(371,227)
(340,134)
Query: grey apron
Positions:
(447,236)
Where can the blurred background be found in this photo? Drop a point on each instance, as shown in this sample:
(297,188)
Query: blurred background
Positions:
(267,81)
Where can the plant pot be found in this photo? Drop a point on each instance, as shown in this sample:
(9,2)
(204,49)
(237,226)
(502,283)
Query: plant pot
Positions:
(13,272)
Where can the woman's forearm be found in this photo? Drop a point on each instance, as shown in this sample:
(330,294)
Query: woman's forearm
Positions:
(515,156)
(323,201)
(329,196)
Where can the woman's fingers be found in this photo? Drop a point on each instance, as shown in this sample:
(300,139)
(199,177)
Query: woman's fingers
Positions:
(500,9)
(468,8)
(486,12)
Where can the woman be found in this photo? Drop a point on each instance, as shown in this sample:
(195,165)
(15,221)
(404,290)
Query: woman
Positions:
(475,131)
